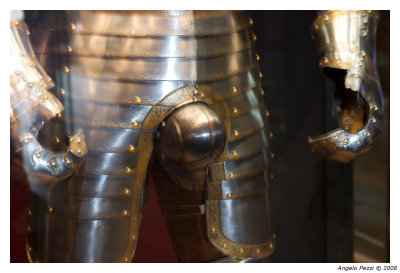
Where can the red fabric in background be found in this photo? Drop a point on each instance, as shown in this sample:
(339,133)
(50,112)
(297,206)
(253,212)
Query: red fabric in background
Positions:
(154,245)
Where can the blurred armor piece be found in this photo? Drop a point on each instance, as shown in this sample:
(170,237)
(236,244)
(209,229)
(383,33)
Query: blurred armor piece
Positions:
(346,46)
(181,87)
(31,106)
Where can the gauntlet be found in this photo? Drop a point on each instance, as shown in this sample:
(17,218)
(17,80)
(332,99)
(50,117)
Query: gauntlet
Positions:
(346,47)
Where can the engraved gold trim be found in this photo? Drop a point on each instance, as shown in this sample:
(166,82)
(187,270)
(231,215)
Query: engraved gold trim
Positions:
(229,247)
(176,99)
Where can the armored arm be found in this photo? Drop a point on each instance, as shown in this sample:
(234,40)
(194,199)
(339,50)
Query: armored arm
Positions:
(346,48)
(31,107)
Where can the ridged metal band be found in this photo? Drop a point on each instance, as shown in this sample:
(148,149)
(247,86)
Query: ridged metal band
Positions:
(143,24)
(143,47)
(152,69)
(151,92)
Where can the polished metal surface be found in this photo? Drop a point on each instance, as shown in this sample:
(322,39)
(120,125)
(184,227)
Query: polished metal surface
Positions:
(123,75)
(31,106)
(346,42)
(190,139)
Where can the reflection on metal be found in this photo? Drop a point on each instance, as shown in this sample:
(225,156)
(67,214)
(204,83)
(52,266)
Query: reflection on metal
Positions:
(131,80)
(346,47)
(31,106)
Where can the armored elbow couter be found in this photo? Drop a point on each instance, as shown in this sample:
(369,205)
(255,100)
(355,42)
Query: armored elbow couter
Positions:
(31,107)
(346,47)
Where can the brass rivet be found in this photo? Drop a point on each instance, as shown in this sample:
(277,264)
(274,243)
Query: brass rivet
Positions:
(260,74)
(213,229)
(131,148)
(272,155)
(127,191)
(271,134)
(73,26)
(235,111)
(62,91)
(126,259)
(254,37)
(241,250)
(234,90)
(135,123)
(250,21)
(138,100)
(29,248)
(231,175)
(128,170)
(133,237)
(257,57)
(258,250)
(58,115)
(57,140)
(124,212)
(325,59)
(50,209)
(234,154)
(53,163)
(224,245)
(69,49)
(271,245)
(267,113)
(235,133)
(363,53)
(229,195)
(66,69)
(29,212)
(262,92)
(28,228)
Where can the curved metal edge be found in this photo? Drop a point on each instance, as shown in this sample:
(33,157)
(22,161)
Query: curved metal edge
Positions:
(229,247)
(156,115)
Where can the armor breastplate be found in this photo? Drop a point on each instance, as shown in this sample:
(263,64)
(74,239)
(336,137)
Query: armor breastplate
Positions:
(119,75)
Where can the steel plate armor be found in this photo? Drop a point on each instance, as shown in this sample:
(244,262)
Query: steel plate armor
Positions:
(346,45)
(126,79)
(179,87)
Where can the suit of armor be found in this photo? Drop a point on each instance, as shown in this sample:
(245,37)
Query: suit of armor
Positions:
(178,87)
